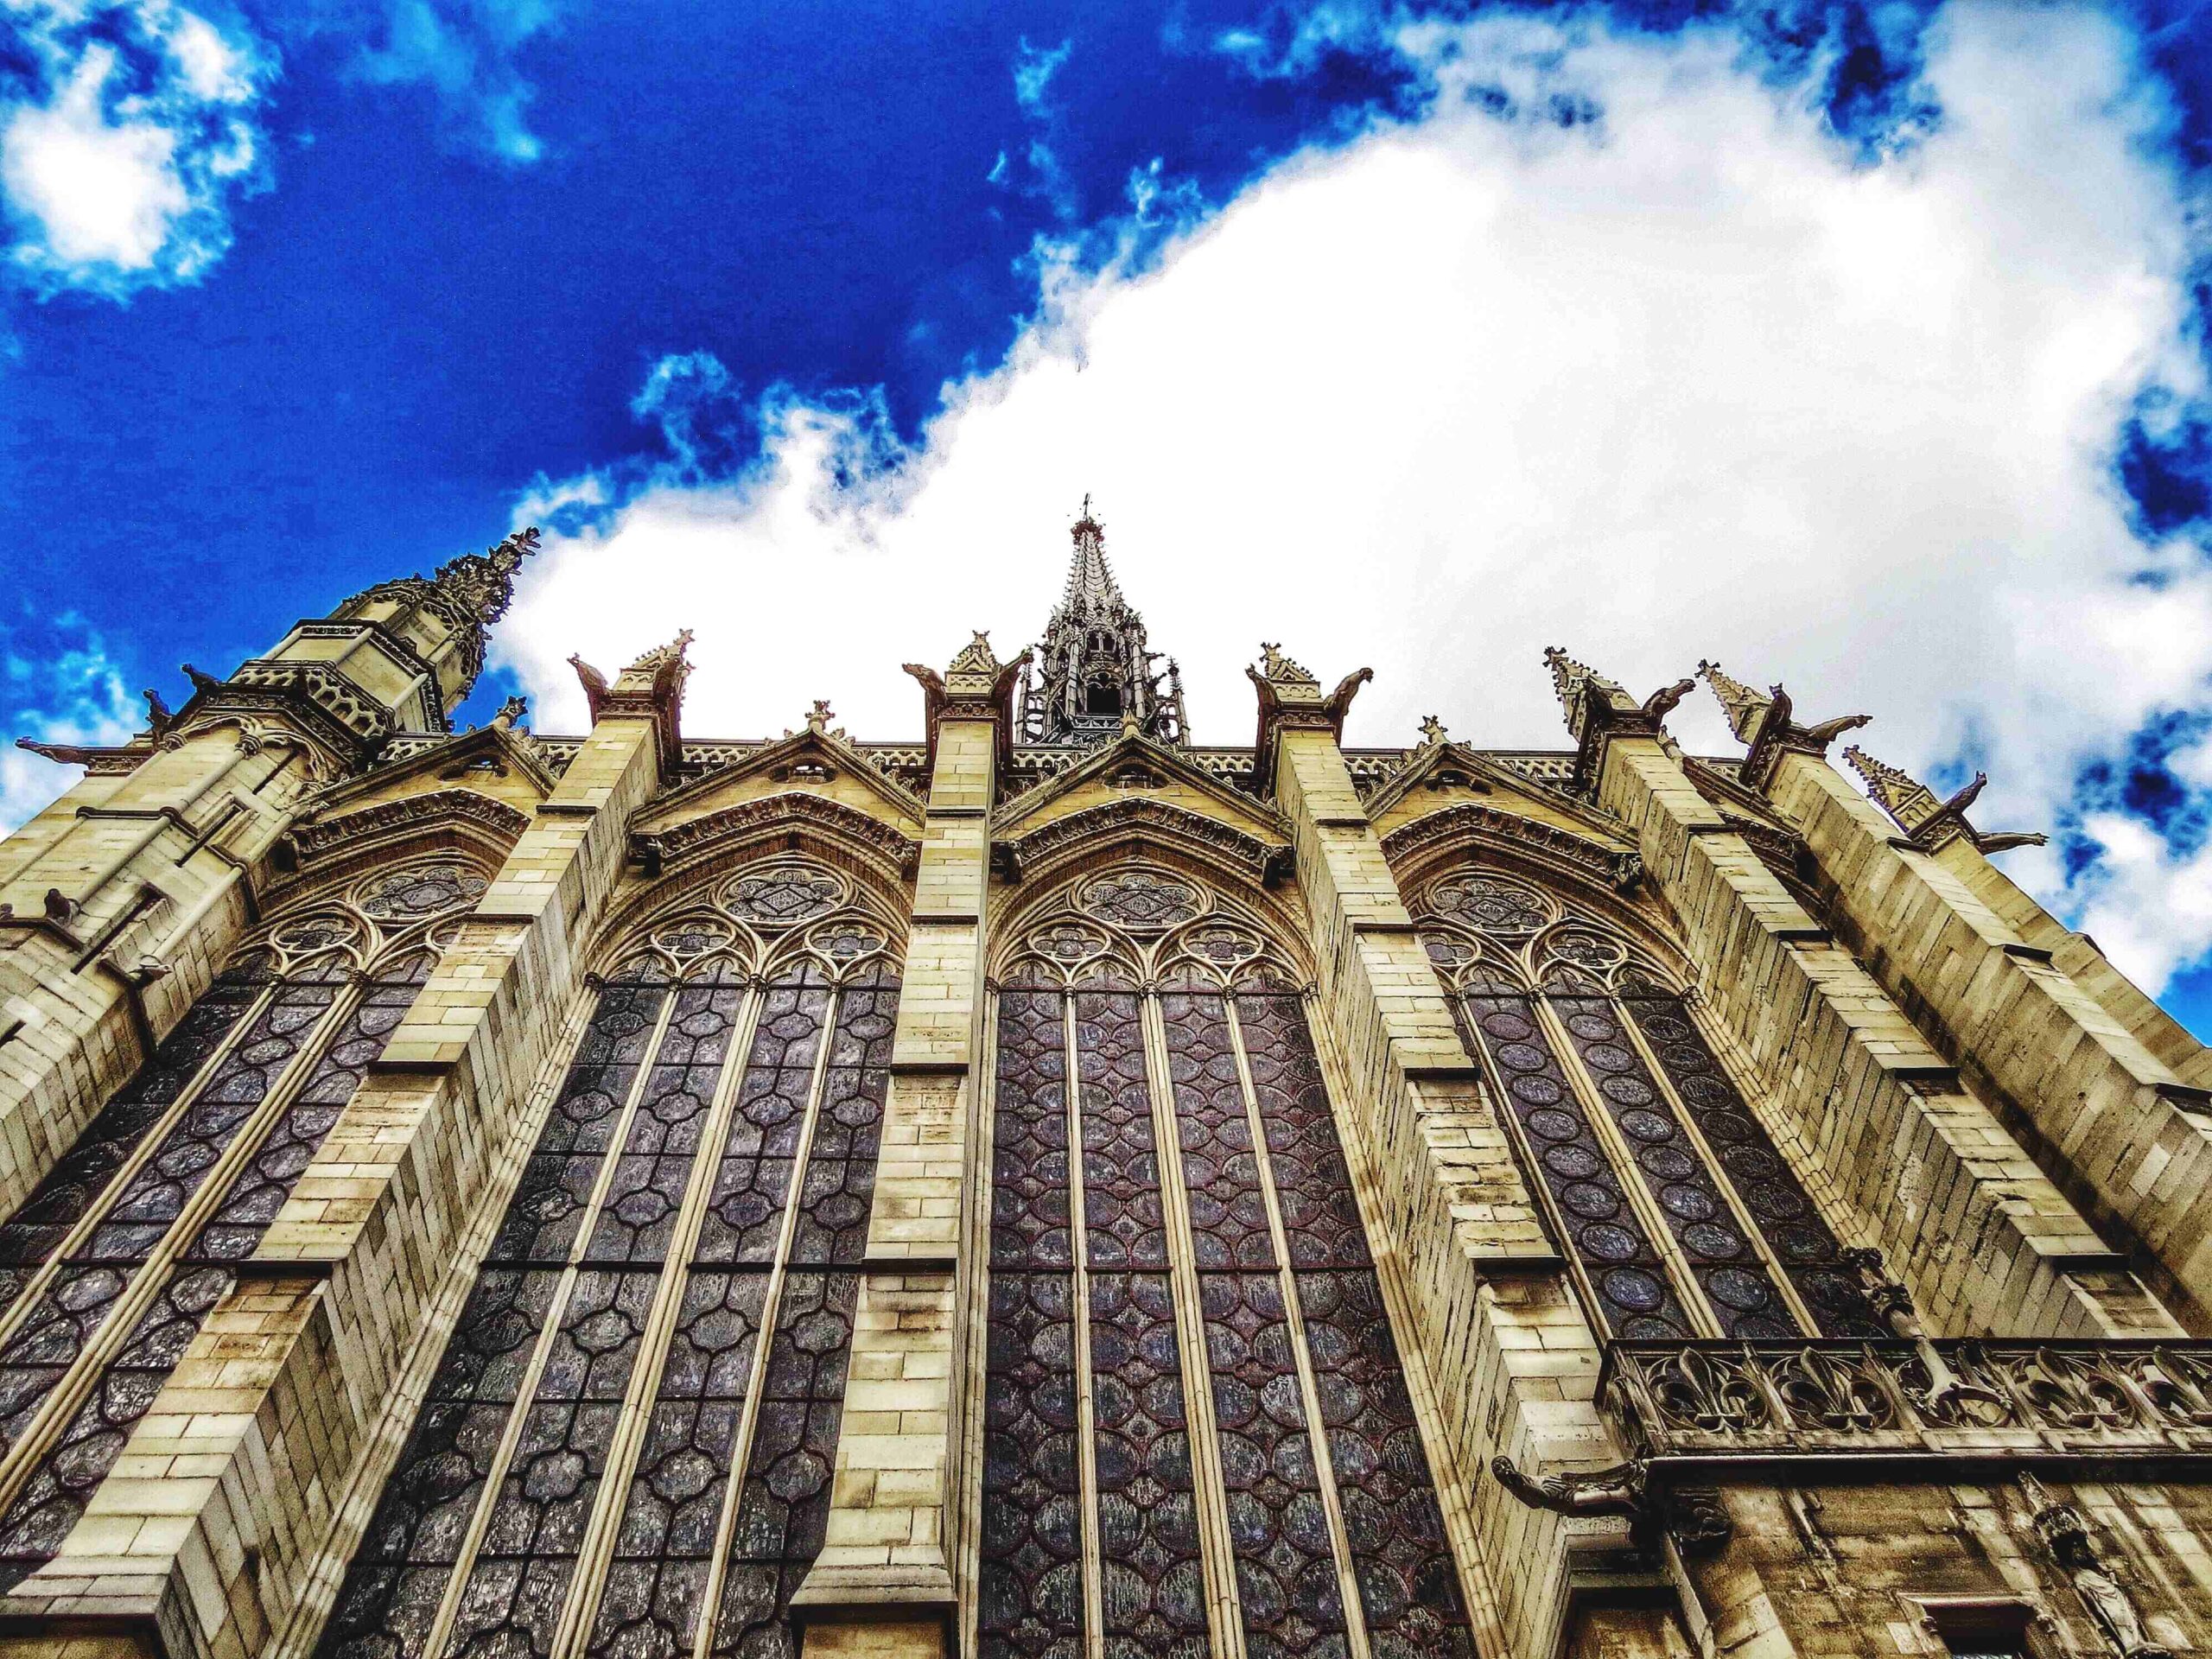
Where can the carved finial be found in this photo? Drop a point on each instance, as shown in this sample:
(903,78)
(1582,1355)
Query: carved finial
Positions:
(1746,709)
(819,715)
(1283,670)
(976,657)
(661,670)
(511,711)
(1432,730)
(1568,678)
(1897,791)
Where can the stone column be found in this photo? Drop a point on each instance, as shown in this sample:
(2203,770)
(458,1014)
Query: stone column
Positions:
(2115,1124)
(1981,1238)
(1482,1302)
(256,1454)
(883,1583)
(117,905)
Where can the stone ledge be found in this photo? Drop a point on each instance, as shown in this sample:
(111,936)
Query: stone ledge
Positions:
(1384,924)
(1441,1072)
(1340,821)
(956,812)
(899,1068)
(2019,951)
(263,1269)
(943,918)
(921,1262)
(568,810)
(875,1595)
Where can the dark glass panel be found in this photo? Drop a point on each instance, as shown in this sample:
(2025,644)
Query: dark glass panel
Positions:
(1408,1589)
(1229,1213)
(1321,1222)
(1286,1567)
(784,1510)
(841,1164)
(1635,1298)
(1737,1288)
(1029,1600)
(744,1210)
(1794,1230)
(1153,1586)
(1029,1181)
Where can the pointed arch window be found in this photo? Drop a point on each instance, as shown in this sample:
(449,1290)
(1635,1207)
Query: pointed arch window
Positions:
(114,1261)
(1681,1218)
(1195,1412)
(626,1446)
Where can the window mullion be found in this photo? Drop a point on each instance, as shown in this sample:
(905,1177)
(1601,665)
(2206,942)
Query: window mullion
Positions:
(1217,1548)
(1628,1173)
(495,1475)
(1325,1474)
(1094,1602)
(118,1183)
(1738,1209)
(975,1253)
(597,1546)
(756,1379)
(77,1383)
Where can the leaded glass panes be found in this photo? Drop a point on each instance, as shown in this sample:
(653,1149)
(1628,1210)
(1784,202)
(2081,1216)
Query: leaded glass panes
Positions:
(1172,1435)
(628,1444)
(1683,1217)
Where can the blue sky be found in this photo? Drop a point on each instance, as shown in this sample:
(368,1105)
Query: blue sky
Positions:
(1861,347)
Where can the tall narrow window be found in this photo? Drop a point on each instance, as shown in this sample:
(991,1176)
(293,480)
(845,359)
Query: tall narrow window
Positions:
(1195,1409)
(1681,1217)
(627,1447)
(111,1265)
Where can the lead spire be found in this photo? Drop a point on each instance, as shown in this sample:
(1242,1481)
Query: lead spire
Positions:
(1095,673)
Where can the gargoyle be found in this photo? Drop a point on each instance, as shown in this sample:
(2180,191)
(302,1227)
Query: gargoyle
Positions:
(201,680)
(595,682)
(159,716)
(1621,1490)
(932,682)
(66,754)
(1339,701)
(1661,703)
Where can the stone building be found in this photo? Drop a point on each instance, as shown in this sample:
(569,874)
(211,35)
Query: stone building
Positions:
(1049,1190)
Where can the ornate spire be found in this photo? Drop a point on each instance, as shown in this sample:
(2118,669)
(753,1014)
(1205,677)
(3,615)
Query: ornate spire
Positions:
(467,594)
(1745,708)
(651,686)
(1095,671)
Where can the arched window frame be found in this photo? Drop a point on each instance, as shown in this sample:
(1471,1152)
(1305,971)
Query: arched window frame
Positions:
(114,1262)
(730,1003)
(1149,941)
(1647,1078)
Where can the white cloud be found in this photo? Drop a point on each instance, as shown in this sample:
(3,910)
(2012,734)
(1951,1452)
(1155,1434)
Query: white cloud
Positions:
(119,167)
(463,51)
(1689,381)
(74,693)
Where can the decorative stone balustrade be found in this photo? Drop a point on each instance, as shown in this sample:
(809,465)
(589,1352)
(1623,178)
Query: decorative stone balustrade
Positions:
(1724,1403)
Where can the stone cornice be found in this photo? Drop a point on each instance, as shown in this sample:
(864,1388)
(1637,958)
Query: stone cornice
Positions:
(384,818)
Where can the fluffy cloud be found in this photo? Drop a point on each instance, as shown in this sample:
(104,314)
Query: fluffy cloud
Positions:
(67,689)
(1617,344)
(125,133)
(463,52)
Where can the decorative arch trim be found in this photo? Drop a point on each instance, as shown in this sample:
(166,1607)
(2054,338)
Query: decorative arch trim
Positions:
(1414,847)
(892,854)
(1114,826)
(389,820)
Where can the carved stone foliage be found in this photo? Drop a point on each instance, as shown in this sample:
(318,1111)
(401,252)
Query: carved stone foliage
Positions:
(1266,862)
(767,914)
(685,841)
(387,817)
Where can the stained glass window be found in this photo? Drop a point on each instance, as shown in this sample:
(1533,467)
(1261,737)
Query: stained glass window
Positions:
(627,1447)
(1194,1406)
(112,1264)
(1681,1216)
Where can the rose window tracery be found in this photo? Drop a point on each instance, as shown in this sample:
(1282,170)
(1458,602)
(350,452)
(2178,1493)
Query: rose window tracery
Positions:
(654,1348)
(1163,1157)
(1680,1217)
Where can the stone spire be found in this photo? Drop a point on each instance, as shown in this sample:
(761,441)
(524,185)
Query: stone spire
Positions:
(1095,673)
(1745,708)
(447,616)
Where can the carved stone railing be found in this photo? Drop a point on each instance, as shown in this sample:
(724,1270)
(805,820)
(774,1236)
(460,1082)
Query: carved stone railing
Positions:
(1729,1403)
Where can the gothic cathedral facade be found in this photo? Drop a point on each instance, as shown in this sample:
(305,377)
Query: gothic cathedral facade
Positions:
(1048,1189)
